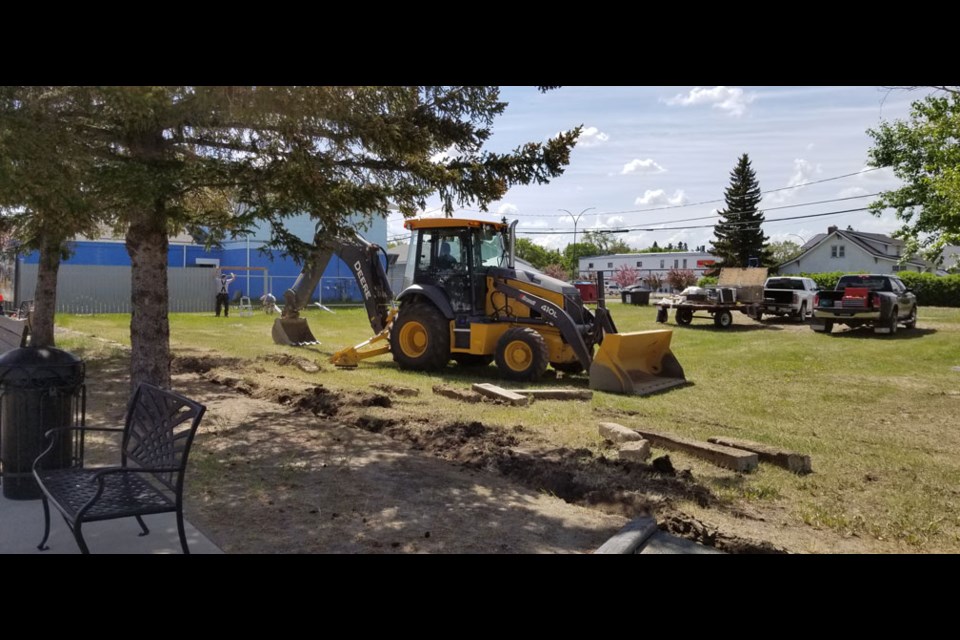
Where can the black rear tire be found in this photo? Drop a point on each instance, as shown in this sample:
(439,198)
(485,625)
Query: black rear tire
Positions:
(420,338)
(522,354)
(684,316)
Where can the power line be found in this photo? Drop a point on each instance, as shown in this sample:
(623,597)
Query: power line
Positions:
(703,226)
(685,204)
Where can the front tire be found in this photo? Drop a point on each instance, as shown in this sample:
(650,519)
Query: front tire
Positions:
(420,338)
(802,314)
(522,354)
(723,319)
(684,316)
(911,322)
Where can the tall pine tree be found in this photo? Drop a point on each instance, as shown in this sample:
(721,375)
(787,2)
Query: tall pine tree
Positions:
(739,233)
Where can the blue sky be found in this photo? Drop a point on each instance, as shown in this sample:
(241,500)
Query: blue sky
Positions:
(649,147)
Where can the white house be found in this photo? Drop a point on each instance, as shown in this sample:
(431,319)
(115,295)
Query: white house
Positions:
(646,263)
(852,251)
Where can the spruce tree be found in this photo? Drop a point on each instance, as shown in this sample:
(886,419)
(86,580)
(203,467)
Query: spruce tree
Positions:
(739,233)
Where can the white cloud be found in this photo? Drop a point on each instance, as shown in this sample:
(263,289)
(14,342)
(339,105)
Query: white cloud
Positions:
(660,197)
(533,224)
(591,136)
(803,172)
(641,166)
(444,155)
(851,192)
(507,209)
(732,100)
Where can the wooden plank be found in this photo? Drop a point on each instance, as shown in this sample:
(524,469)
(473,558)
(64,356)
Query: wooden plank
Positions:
(493,391)
(556,394)
(631,537)
(729,457)
(790,460)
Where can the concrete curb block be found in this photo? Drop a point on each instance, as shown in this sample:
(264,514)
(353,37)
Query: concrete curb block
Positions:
(631,537)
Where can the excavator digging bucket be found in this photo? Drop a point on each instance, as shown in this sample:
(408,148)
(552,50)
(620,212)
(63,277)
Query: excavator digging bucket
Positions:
(638,363)
(294,333)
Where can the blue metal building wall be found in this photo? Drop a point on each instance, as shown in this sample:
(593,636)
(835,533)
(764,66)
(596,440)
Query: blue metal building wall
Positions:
(338,283)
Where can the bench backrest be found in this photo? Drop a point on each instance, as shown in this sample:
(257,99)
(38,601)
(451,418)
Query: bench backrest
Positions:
(13,333)
(159,430)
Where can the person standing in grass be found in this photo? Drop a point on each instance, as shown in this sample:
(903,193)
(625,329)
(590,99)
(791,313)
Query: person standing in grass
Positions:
(223,295)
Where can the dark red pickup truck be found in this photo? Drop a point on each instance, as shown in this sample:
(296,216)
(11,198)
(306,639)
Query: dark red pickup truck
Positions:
(880,301)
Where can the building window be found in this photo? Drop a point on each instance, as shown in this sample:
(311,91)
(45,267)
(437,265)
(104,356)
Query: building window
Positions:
(837,251)
(609,265)
(589,265)
(661,264)
(676,263)
(841,250)
(639,263)
(684,263)
(897,268)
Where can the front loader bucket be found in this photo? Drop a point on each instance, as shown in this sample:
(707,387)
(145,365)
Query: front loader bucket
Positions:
(638,363)
(294,333)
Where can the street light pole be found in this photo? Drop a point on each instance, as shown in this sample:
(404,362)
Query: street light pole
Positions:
(576,220)
(796,236)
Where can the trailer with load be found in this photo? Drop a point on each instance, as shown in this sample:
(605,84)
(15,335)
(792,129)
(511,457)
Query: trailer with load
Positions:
(737,290)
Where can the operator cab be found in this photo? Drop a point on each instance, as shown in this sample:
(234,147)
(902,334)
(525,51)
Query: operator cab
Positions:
(455,255)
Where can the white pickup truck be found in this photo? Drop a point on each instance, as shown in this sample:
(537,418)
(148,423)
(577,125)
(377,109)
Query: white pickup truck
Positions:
(787,296)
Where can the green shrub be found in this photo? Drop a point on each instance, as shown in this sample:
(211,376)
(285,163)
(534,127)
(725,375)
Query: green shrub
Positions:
(707,281)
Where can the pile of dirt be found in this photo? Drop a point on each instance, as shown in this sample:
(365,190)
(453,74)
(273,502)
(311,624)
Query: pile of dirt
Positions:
(577,476)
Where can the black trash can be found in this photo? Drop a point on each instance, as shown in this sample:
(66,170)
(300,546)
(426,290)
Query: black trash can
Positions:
(636,296)
(40,389)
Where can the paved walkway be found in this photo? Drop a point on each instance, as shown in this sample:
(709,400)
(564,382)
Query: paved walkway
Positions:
(21,527)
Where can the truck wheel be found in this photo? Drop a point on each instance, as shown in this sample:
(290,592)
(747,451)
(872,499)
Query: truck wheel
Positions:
(522,354)
(684,316)
(420,338)
(802,314)
(911,322)
(723,319)
(893,321)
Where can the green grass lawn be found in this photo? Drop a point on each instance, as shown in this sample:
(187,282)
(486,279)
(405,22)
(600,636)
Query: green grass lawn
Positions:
(877,414)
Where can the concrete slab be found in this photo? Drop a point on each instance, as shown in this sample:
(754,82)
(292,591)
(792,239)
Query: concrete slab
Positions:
(664,543)
(21,527)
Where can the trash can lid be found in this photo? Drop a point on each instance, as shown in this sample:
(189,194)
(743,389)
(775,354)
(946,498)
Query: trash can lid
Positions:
(40,366)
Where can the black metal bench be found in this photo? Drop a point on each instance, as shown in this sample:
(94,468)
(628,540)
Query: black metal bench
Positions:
(157,435)
(13,333)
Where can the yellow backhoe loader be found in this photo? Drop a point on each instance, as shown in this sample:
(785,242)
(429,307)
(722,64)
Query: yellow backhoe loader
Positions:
(465,300)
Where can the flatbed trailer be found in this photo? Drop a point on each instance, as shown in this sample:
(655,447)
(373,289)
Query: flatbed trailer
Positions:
(721,312)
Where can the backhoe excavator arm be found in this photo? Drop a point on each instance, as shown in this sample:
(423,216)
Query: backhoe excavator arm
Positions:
(363,258)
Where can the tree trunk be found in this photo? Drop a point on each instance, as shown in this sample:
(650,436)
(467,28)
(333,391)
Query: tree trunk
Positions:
(45,296)
(147,245)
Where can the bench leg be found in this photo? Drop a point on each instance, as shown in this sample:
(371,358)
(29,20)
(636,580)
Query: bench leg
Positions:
(78,536)
(183,534)
(46,525)
(143,527)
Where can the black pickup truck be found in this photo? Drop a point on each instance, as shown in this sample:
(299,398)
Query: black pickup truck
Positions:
(879,301)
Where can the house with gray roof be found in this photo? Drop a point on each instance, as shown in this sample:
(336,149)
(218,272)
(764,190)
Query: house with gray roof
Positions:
(853,251)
